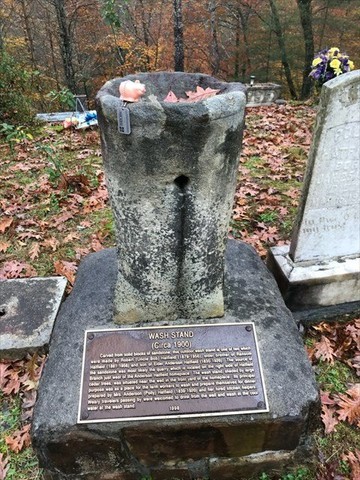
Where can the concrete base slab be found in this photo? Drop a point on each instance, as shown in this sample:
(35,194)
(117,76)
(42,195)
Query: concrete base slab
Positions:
(28,309)
(182,448)
(327,288)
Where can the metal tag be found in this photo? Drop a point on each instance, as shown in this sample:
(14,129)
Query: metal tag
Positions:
(124,121)
(171,372)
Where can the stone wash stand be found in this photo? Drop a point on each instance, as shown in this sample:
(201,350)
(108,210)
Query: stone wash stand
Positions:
(319,274)
(216,447)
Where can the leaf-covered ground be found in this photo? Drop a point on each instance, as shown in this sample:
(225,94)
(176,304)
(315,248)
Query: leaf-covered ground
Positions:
(54,211)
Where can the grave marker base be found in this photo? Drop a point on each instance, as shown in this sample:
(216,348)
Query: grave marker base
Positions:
(317,288)
(212,447)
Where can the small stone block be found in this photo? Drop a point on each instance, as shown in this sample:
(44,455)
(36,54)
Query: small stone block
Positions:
(28,308)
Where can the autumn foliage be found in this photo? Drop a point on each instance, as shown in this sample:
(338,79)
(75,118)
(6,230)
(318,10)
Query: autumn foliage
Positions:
(46,45)
(55,210)
(339,342)
(20,378)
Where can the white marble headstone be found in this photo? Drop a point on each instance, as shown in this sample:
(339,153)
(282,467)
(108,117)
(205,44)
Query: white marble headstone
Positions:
(328,224)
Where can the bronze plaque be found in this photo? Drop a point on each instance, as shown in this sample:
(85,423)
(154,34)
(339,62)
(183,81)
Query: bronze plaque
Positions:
(166,372)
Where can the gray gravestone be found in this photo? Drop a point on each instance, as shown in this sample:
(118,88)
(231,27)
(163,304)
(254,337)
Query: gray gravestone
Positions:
(171,183)
(28,309)
(322,265)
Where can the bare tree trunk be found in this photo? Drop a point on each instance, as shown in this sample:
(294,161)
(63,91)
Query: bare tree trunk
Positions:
(215,52)
(158,35)
(281,41)
(323,26)
(178,36)
(145,32)
(28,33)
(244,17)
(2,45)
(66,44)
(237,47)
(305,11)
(346,14)
(268,56)
(52,48)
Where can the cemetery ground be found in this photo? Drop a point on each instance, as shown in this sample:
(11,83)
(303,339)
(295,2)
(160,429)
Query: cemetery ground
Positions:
(54,211)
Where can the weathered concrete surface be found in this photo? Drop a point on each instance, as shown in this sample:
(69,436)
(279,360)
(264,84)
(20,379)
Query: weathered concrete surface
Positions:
(322,266)
(175,448)
(171,184)
(314,286)
(28,308)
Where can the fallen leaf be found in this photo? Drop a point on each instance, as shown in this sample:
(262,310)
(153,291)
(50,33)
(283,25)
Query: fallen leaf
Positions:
(5,224)
(67,269)
(34,251)
(171,97)
(197,96)
(85,224)
(13,385)
(4,246)
(64,217)
(324,350)
(96,244)
(4,373)
(349,405)
(4,465)
(15,269)
(71,237)
(29,234)
(19,439)
(51,242)
(30,384)
(201,94)
(329,419)
(353,458)
(326,400)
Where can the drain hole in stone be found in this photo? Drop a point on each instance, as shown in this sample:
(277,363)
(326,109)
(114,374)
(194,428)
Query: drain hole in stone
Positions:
(181,181)
(2,311)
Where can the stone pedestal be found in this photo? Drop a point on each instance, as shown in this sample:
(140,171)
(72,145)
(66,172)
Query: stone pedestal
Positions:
(322,266)
(171,184)
(224,447)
